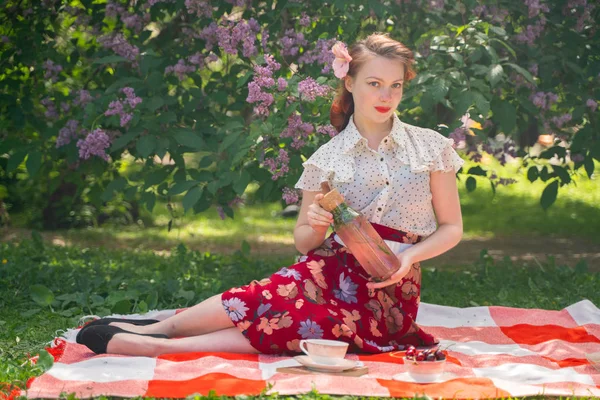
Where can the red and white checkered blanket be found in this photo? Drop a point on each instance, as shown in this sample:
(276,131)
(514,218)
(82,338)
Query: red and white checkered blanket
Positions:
(495,352)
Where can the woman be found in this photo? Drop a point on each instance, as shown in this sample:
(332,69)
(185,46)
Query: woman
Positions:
(400,176)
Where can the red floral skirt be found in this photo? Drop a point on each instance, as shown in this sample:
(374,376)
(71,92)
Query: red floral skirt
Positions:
(325,296)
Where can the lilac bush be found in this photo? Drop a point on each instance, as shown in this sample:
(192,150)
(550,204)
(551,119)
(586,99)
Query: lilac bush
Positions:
(246,85)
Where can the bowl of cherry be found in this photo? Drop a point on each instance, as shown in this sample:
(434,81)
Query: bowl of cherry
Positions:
(426,364)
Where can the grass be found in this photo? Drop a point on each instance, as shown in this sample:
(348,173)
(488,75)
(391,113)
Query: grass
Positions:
(47,288)
(511,210)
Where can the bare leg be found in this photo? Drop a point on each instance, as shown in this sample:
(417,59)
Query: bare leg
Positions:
(205,317)
(229,340)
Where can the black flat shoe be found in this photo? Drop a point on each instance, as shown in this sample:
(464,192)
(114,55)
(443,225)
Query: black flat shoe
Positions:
(96,337)
(106,321)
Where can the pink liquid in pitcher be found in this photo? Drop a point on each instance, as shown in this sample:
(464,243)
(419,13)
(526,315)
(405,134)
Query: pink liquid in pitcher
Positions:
(357,233)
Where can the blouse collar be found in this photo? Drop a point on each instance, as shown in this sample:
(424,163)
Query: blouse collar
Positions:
(351,135)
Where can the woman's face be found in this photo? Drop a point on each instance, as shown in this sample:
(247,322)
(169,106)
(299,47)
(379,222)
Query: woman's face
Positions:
(377,88)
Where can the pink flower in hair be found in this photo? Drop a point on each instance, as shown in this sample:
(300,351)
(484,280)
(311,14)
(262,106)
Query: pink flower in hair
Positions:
(341,64)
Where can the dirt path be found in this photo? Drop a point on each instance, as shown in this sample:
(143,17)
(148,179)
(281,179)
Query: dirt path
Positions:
(527,249)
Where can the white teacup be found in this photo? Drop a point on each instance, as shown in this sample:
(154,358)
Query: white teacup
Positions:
(324,351)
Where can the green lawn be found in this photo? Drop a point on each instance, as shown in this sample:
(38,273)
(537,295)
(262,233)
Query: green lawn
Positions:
(45,287)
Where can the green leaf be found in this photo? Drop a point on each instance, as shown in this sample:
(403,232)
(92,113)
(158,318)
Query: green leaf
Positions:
(15,160)
(504,114)
(243,79)
(229,140)
(495,74)
(155,103)
(34,162)
(588,164)
(523,72)
(146,145)
(152,299)
(438,89)
(149,199)
(482,104)
(188,138)
(156,177)
(532,173)
(477,170)
(181,187)
(121,307)
(41,295)
(192,197)
(124,140)
(242,182)
(116,185)
(109,59)
(462,102)
(549,195)
(471,184)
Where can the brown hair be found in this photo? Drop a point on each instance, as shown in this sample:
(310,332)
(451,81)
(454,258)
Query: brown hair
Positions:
(378,44)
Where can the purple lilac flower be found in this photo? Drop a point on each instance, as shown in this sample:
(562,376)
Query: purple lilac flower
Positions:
(278,166)
(592,104)
(69,132)
(65,107)
(304,20)
(94,144)
(543,100)
(51,112)
(4,39)
(290,196)
(297,130)
(494,13)
(120,46)
(535,7)
(459,135)
(113,10)
(202,8)
(281,84)
(51,70)
(181,69)
(228,35)
(83,98)
(562,120)
(291,42)
(531,32)
(264,37)
(114,108)
(264,100)
(309,89)
(321,54)
(534,69)
(328,130)
(582,10)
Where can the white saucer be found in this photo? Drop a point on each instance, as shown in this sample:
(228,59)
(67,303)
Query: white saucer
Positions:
(341,365)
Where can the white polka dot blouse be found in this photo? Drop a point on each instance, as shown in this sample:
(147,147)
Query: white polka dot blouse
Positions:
(390,185)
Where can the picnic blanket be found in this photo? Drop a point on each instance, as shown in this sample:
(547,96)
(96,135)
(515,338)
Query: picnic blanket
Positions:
(495,352)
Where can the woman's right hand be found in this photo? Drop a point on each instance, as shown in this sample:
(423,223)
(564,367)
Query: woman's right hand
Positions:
(319,219)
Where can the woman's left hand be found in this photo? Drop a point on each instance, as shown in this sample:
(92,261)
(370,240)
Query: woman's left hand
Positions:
(406,262)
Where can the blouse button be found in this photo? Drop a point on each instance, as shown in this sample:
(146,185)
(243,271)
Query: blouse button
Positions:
(379,209)
(381,159)
(387,183)
(385,141)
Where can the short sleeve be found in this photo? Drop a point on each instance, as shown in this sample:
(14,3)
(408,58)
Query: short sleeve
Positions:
(311,178)
(448,160)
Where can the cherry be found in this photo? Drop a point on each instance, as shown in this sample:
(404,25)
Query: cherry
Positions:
(430,357)
(420,357)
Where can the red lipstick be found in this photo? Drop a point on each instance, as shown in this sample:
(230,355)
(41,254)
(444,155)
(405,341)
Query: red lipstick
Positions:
(383,109)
